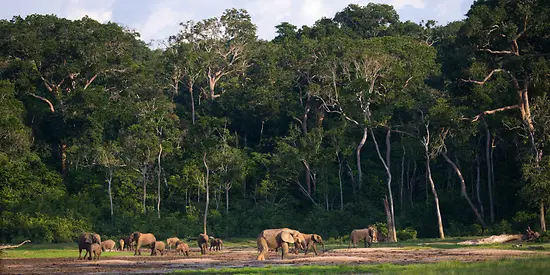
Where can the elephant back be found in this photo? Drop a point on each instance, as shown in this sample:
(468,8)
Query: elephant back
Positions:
(147,238)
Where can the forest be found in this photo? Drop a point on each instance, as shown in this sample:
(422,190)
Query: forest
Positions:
(359,119)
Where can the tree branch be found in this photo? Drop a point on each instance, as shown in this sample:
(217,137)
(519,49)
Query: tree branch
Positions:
(45,100)
(490,112)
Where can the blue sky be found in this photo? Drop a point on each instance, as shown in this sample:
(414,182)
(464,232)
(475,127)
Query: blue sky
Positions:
(158,19)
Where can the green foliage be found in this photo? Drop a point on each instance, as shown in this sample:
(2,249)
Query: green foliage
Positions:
(99,132)
(408,233)
(502,227)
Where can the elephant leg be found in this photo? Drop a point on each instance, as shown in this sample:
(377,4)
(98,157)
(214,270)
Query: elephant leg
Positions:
(284,250)
(314,246)
(263,248)
(89,253)
(80,253)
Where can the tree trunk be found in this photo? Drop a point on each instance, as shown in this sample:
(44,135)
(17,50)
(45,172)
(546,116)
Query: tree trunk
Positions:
(308,176)
(192,102)
(463,190)
(436,198)
(144,176)
(389,221)
(207,193)
(412,183)
(542,218)
(358,154)
(63,148)
(227,188)
(478,185)
(402,180)
(489,174)
(392,234)
(158,180)
(109,181)
(340,181)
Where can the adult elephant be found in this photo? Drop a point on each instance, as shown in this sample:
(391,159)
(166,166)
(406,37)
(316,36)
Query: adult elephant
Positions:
(278,238)
(202,241)
(368,235)
(311,241)
(85,241)
(142,239)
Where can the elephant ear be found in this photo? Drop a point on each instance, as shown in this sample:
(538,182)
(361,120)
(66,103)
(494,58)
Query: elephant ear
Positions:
(317,238)
(286,237)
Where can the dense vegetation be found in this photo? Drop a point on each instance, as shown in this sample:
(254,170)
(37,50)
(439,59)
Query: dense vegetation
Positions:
(358,119)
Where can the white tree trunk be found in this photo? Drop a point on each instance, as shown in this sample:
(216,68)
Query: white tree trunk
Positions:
(110,180)
(358,155)
(392,234)
(207,193)
(436,198)
(158,179)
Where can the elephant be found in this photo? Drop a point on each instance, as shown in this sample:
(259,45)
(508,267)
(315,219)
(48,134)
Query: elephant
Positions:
(121,244)
(142,239)
(96,249)
(311,241)
(158,247)
(107,245)
(275,238)
(172,242)
(202,241)
(182,248)
(129,244)
(216,243)
(85,241)
(368,235)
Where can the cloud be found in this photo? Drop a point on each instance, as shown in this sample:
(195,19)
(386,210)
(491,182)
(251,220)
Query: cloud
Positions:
(162,21)
(99,10)
(266,17)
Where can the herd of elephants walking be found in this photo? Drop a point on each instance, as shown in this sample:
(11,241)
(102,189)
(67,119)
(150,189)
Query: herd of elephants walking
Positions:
(268,240)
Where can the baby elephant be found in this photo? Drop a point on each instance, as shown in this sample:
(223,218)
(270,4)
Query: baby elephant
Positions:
(216,243)
(96,251)
(182,248)
(107,245)
(158,247)
(172,242)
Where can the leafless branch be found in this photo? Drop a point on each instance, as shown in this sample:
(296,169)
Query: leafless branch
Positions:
(45,100)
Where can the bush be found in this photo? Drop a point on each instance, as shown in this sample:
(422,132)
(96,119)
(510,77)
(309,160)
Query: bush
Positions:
(476,230)
(502,227)
(408,233)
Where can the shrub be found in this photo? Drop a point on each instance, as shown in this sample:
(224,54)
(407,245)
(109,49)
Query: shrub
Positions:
(502,227)
(476,230)
(408,233)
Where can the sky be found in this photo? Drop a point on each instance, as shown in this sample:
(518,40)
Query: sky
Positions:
(158,19)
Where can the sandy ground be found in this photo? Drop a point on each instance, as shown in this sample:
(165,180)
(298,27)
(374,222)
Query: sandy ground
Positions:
(246,257)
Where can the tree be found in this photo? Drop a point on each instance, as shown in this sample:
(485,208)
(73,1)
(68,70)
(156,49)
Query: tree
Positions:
(222,45)
(505,38)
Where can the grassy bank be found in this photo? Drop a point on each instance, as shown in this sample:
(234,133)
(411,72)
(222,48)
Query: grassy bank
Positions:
(538,265)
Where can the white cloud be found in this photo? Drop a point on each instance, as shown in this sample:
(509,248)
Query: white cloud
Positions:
(268,15)
(399,4)
(99,10)
(163,21)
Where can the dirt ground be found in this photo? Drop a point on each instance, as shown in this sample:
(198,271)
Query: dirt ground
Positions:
(246,257)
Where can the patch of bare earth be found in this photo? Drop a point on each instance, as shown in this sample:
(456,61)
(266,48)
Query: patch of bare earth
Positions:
(244,257)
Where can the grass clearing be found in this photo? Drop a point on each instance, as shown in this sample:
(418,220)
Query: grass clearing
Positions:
(535,265)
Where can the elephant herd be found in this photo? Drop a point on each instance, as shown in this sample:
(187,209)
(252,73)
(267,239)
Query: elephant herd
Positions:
(268,240)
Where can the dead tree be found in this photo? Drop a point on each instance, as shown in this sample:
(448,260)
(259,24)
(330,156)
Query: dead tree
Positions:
(14,246)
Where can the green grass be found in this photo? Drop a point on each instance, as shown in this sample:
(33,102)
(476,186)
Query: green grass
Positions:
(61,250)
(56,250)
(537,265)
